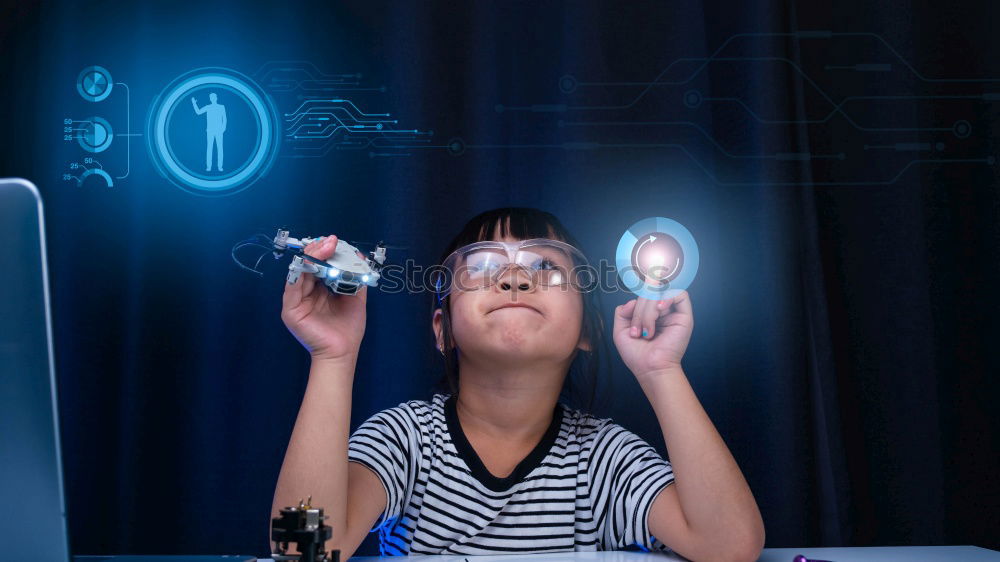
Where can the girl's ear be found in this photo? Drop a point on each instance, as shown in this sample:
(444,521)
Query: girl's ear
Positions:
(437,322)
(585,343)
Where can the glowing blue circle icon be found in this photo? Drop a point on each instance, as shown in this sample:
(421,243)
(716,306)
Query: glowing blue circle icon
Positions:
(657,258)
(213,132)
(94,83)
(96,135)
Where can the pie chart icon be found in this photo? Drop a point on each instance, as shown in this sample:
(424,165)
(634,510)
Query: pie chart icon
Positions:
(96,135)
(94,83)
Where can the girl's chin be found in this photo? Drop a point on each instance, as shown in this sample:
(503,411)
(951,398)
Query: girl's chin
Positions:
(515,347)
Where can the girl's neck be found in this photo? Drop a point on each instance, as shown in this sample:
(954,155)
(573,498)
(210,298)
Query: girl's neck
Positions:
(508,402)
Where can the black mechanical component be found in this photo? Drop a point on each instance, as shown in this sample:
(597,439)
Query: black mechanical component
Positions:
(302,525)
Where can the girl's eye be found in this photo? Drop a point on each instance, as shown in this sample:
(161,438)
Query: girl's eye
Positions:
(482,262)
(544,264)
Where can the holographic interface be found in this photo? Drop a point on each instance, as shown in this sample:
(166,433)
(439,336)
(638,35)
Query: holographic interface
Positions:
(657,258)
(198,114)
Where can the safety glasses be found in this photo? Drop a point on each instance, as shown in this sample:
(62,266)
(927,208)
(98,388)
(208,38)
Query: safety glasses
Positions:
(547,262)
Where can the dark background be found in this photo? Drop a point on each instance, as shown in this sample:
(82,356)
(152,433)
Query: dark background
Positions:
(846,307)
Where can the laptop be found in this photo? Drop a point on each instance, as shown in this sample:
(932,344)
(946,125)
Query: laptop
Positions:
(30,469)
(32,507)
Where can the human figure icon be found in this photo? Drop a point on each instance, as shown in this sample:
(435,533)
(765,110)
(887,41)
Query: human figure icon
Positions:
(215,126)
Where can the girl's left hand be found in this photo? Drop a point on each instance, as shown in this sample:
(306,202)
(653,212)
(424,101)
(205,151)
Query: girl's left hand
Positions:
(653,335)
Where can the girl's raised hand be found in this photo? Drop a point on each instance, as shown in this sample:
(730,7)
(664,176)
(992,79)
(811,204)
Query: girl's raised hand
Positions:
(329,326)
(653,335)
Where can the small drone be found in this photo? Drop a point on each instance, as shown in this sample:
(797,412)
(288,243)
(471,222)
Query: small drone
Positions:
(344,273)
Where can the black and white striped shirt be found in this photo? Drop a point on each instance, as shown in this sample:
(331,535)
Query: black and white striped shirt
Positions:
(588,485)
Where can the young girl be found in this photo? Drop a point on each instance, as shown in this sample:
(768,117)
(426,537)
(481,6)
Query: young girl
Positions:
(499,465)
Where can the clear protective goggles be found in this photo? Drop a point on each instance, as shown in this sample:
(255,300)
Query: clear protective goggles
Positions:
(548,263)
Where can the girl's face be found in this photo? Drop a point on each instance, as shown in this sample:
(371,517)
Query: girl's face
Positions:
(515,321)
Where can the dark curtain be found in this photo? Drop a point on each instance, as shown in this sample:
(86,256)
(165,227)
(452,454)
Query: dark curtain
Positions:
(836,165)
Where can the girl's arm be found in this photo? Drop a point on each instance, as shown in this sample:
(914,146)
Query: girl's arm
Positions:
(330,327)
(316,459)
(709,513)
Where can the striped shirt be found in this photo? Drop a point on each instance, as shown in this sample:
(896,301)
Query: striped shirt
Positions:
(587,485)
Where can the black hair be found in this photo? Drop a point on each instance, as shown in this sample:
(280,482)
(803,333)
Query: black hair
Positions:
(581,383)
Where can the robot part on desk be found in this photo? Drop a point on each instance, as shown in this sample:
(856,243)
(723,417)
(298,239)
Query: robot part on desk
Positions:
(304,526)
(344,273)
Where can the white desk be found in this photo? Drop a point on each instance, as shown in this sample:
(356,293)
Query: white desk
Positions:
(847,554)
(884,554)
(603,556)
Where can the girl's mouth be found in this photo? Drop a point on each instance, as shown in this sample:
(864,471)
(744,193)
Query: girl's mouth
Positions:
(515,305)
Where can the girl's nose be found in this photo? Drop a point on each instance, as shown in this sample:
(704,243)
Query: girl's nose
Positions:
(520,277)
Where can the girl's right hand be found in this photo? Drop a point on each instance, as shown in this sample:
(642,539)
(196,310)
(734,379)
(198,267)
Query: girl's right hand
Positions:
(329,326)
